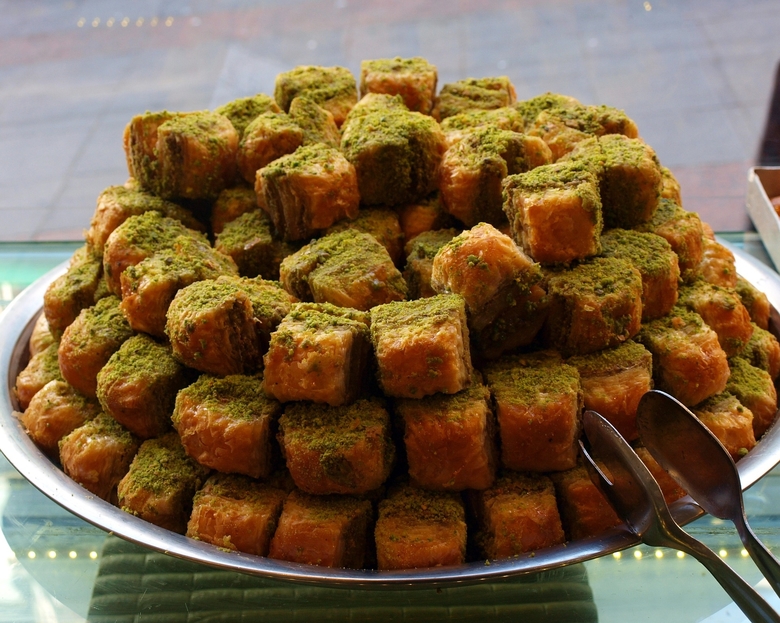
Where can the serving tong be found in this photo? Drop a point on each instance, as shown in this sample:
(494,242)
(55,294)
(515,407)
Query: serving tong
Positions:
(638,500)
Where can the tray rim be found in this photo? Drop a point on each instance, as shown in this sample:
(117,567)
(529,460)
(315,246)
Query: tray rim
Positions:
(16,323)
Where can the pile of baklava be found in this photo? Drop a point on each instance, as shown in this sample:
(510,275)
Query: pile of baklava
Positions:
(357,325)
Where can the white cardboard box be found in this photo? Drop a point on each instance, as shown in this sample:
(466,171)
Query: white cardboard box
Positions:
(763,183)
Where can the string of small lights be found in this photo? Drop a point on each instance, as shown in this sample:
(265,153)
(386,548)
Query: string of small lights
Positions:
(53,554)
(96,22)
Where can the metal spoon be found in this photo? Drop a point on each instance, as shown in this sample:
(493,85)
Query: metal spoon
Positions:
(695,458)
(637,498)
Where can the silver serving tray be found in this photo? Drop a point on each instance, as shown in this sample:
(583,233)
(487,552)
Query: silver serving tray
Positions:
(16,324)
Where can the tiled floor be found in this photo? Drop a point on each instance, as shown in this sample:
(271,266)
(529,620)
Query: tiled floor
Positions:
(697,76)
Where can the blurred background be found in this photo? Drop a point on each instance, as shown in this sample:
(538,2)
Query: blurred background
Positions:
(696,75)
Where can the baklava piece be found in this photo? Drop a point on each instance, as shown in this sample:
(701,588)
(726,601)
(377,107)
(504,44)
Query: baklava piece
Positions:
(613,381)
(149,287)
(328,531)
(41,337)
(424,215)
(227,424)
(250,241)
(722,309)
(116,204)
(417,528)
(161,482)
(755,301)
(242,111)
(232,203)
(554,212)
(42,368)
(98,454)
(449,439)
(669,487)
(473,94)
(89,342)
(138,385)
(414,79)
(236,513)
(382,224)
(344,449)
(688,361)
(500,284)
(348,268)
(529,109)
(269,136)
(136,239)
(729,421)
(68,294)
(422,346)
(332,88)
(518,514)
(717,264)
(223,326)
(396,154)
(420,252)
(763,351)
(670,187)
(317,123)
(54,411)
(653,257)
(308,191)
(584,509)
(472,172)
(683,231)
(593,306)
(538,402)
(318,353)
(455,128)
(141,151)
(754,389)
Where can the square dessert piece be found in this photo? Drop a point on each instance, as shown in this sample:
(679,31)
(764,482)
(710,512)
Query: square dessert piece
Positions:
(68,294)
(148,288)
(236,512)
(318,353)
(140,145)
(249,240)
(54,411)
(688,361)
(753,388)
(396,154)
(472,171)
(42,368)
(97,455)
(414,79)
(116,204)
(518,514)
(223,326)
(232,203)
(538,403)
(420,252)
(653,257)
(717,264)
(683,231)
(722,310)
(594,305)
(755,301)
(423,215)
(161,483)
(473,94)
(584,509)
(318,124)
(138,385)
(613,381)
(267,137)
(458,126)
(337,449)
(332,88)
(40,338)
(450,439)
(329,531)
(227,424)
(729,421)
(500,284)
(196,155)
(243,110)
(88,343)
(348,268)
(763,351)
(555,212)
(418,528)
(422,346)
(669,487)
(529,109)
(670,187)
(382,224)
(307,191)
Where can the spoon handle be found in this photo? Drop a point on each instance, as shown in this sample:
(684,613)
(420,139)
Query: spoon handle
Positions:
(749,601)
(765,561)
